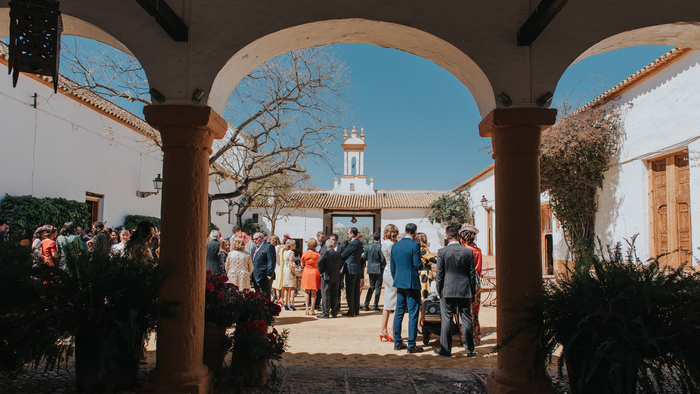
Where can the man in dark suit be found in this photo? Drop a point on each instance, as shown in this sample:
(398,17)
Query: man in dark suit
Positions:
(264,257)
(456,284)
(405,262)
(375,268)
(320,248)
(352,255)
(329,266)
(213,253)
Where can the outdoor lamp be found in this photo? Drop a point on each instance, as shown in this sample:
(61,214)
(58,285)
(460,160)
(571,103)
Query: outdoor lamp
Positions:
(157,184)
(353,220)
(484,202)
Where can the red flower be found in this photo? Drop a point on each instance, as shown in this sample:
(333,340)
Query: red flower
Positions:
(209,272)
(224,278)
(210,286)
(220,295)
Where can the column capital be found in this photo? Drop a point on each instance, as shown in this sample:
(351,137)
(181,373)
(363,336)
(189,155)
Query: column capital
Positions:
(189,116)
(507,117)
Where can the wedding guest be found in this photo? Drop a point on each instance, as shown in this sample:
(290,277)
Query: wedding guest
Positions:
(468,234)
(26,240)
(375,268)
(139,243)
(329,266)
(113,235)
(69,243)
(405,262)
(224,248)
(118,249)
(49,249)
(239,265)
(38,237)
(426,273)
(279,269)
(289,280)
(390,237)
(311,278)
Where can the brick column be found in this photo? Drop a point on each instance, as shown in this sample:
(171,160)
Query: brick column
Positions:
(187,133)
(515,135)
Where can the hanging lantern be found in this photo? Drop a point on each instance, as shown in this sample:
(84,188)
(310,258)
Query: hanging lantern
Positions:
(35,38)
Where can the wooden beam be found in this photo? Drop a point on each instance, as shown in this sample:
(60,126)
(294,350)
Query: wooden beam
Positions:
(166,18)
(538,21)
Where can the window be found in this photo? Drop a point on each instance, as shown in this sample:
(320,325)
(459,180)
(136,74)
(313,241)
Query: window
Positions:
(255,218)
(352,187)
(669,209)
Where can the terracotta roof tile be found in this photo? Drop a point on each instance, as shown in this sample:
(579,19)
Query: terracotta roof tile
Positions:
(382,199)
(69,87)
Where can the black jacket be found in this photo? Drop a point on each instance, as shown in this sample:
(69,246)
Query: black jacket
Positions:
(456,276)
(375,258)
(352,255)
(329,265)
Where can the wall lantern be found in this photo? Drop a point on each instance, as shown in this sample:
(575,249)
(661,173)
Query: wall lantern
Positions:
(484,202)
(35,39)
(353,220)
(157,184)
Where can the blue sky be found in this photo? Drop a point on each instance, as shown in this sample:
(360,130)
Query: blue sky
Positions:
(421,123)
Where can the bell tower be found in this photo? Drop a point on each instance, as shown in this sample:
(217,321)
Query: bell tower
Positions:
(354,179)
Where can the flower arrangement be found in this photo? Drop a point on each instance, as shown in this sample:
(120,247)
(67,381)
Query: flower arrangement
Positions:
(220,301)
(255,337)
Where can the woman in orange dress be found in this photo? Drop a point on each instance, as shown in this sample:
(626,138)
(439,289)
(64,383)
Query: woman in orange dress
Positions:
(311,278)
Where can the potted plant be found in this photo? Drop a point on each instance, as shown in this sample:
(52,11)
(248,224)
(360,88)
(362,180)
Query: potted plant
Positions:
(97,307)
(623,324)
(255,340)
(220,313)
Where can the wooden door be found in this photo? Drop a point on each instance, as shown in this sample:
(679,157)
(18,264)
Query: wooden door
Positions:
(670,209)
(683,208)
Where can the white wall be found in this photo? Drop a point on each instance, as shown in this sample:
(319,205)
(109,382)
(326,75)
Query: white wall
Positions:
(401,217)
(297,223)
(64,148)
(663,118)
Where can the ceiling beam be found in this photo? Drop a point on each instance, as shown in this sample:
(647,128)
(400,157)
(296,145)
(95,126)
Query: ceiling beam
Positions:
(166,18)
(538,21)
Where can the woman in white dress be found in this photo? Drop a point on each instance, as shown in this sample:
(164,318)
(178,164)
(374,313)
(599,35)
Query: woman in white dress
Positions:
(279,269)
(391,233)
(239,265)
(289,280)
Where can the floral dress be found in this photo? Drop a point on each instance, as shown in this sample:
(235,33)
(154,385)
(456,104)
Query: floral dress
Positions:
(239,266)
(427,275)
(289,274)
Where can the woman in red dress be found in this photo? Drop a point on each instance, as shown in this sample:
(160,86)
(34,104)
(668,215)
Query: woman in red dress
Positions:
(468,234)
(311,278)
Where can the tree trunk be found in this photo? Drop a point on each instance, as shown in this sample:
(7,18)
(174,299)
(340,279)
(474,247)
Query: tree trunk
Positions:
(209,200)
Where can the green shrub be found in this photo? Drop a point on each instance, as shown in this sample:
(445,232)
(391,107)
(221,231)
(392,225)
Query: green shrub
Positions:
(28,212)
(131,221)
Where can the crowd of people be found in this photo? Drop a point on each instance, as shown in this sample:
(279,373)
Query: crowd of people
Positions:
(54,246)
(399,264)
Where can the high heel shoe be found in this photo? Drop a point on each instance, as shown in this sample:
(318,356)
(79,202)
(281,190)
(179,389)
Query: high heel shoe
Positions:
(286,307)
(292,307)
(385,337)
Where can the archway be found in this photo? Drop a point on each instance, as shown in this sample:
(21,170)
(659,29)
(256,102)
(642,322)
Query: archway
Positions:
(359,31)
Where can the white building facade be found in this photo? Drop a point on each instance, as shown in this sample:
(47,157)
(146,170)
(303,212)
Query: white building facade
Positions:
(652,190)
(81,147)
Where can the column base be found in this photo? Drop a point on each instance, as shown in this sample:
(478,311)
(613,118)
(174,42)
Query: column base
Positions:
(178,383)
(499,382)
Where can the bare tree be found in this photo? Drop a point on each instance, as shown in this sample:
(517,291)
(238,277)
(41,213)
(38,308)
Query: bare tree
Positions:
(284,113)
(279,192)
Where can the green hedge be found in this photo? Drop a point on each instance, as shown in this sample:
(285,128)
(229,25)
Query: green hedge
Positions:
(131,221)
(31,212)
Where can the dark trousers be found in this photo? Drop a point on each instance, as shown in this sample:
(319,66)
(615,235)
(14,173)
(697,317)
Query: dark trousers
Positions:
(331,297)
(319,297)
(264,285)
(448,308)
(406,299)
(375,286)
(352,293)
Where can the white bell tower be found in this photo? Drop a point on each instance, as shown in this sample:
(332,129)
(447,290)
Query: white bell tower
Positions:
(354,179)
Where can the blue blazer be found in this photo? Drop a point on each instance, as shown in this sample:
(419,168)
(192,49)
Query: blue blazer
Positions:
(264,262)
(405,262)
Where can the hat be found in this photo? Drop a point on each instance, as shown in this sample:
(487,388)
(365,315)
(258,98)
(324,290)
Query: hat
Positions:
(469,227)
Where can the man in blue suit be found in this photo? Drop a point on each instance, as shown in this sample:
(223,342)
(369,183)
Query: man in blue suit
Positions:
(352,267)
(264,257)
(405,262)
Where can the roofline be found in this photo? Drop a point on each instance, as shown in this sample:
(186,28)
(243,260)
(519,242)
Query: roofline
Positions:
(653,68)
(98,103)
(473,179)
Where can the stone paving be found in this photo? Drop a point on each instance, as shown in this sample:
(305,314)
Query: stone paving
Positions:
(299,379)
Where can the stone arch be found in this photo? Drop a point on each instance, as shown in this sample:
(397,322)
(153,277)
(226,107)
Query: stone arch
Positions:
(681,34)
(358,31)
(72,26)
